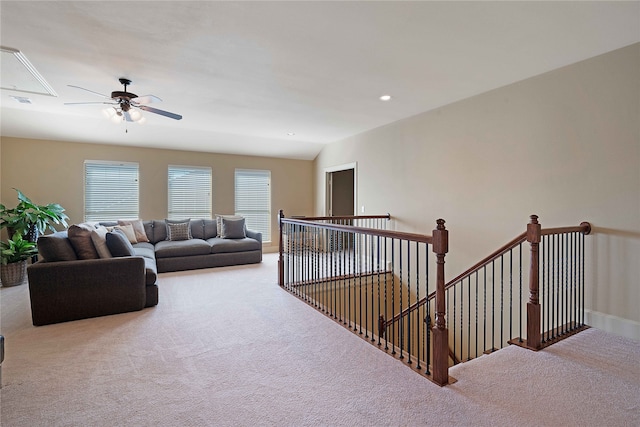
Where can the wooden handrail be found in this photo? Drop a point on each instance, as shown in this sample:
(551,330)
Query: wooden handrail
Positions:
(422,238)
(346,217)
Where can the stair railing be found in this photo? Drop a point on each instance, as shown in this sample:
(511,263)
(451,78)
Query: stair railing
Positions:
(360,275)
(486,305)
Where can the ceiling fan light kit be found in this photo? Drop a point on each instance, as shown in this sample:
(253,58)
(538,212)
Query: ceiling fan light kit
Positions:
(126,106)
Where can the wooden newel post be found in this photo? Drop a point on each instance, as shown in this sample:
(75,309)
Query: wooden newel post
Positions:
(440,332)
(281,250)
(533,306)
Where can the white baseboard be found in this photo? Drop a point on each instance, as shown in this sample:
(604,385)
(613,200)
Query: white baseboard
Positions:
(614,324)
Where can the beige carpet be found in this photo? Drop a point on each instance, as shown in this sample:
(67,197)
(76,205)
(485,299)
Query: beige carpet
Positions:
(228,347)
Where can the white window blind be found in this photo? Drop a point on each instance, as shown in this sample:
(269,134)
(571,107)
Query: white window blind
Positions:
(253,200)
(189,192)
(111,190)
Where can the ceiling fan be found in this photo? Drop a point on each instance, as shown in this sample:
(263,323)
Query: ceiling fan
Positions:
(125,104)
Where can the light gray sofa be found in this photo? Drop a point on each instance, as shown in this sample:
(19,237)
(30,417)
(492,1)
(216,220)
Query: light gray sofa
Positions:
(65,287)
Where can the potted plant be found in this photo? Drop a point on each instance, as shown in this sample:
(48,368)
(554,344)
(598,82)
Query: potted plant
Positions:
(14,254)
(31,220)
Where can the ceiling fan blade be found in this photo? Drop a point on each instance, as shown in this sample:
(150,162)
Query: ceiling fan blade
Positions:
(95,93)
(88,103)
(127,116)
(147,99)
(161,112)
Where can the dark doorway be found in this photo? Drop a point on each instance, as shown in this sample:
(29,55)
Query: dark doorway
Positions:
(340,188)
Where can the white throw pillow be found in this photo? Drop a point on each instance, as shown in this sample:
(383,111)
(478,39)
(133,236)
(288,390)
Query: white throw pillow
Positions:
(99,239)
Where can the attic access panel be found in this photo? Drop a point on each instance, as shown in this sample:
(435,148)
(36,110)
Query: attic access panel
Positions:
(18,74)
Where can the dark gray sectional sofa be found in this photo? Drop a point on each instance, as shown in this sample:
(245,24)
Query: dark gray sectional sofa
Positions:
(64,285)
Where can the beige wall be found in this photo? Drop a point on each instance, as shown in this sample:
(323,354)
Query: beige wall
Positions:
(51,171)
(564,145)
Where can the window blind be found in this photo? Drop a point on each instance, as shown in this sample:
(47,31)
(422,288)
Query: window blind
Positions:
(111,191)
(190,192)
(253,199)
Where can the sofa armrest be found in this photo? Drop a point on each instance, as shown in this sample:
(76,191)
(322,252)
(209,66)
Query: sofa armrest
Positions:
(254,235)
(71,290)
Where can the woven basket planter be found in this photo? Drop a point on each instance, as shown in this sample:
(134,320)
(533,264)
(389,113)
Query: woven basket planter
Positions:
(13,274)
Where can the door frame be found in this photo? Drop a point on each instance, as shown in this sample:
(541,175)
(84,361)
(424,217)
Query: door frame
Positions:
(328,189)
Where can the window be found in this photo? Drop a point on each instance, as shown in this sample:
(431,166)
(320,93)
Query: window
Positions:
(189,192)
(253,200)
(110,190)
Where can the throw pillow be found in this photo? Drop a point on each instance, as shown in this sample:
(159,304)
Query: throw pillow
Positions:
(138,229)
(80,237)
(219,222)
(178,230)
(127,230)
(56,247)
(118,244)
(99,239)
(233,229)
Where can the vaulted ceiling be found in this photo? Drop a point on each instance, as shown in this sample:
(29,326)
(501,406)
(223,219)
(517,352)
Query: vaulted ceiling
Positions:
(282,79)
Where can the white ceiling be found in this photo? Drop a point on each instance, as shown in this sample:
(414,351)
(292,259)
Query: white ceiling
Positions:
(245,74)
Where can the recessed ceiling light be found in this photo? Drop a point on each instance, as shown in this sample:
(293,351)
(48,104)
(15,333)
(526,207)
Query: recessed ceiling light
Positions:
(385,98)
(291,133)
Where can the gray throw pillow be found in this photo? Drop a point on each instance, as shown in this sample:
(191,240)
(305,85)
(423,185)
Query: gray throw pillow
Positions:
(232,228)
(118,244)
(178,230)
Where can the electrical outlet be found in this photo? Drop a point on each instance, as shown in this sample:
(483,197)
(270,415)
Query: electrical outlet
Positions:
(362,209)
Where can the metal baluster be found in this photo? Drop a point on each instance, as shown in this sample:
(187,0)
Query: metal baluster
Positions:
(501,301)
(484,316)
(542,288)
(428,314)
(493,304)
(477,336)
(547,280)
(379,294)
(401,323)
(409,349)
(360,288)
(386,276)
(510,294)
(428,321)
(520,296)
(556,293)
(567,280)
(417,316)
(393,295)
(469,319)
(582,285)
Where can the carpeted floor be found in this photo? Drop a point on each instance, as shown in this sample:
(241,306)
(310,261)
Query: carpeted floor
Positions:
(228,347)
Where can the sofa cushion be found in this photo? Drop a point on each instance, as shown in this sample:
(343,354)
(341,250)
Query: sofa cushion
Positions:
(232,229)
(144,249)
(138,229)
(168,248)
(178,230)
(197,229)
(80,237)
(56,247)
(118,244)
(150,271)
(99,239)
(220,246)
